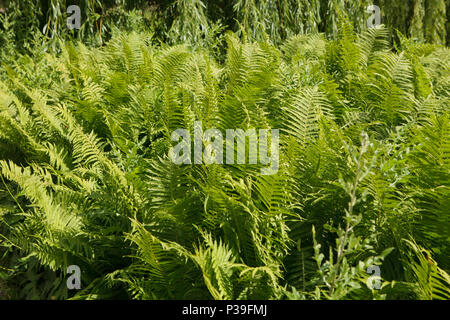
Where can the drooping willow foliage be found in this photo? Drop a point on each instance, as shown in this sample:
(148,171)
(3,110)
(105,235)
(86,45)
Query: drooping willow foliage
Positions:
(364,164)
(203,22)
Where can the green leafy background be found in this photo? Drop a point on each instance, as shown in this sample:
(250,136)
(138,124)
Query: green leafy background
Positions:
(85,124)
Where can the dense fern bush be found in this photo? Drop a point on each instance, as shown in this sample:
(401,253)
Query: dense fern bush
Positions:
(362,181)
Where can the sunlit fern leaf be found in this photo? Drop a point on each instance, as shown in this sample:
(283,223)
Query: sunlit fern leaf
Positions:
(434,283)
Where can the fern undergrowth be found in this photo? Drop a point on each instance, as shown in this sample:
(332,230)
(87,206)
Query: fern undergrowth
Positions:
(363,177)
